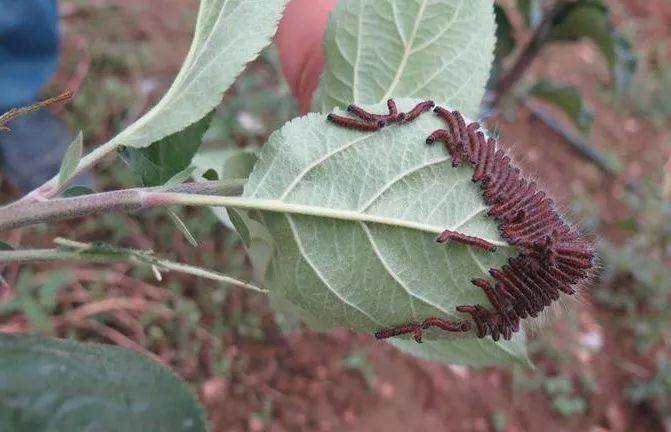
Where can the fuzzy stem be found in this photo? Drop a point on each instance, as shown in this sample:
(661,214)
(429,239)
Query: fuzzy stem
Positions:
(24,213)
(51,187)
(58,209)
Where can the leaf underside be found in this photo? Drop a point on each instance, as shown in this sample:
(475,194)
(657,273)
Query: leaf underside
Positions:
(377,49)
(229,33)
(382,267)
(468,352)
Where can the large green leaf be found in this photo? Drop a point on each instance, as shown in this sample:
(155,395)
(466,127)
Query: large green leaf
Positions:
(439,49)
(49,385)
(229,33)
(362,253)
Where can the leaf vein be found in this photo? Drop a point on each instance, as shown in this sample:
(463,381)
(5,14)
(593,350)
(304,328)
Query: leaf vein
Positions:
(398,178)
(304,255)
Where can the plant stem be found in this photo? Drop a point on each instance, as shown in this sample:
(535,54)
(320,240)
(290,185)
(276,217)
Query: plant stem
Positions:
(575,142)
(25,213)
(528,54)
(578,145)
(41,255)
(51,188)
(122,201)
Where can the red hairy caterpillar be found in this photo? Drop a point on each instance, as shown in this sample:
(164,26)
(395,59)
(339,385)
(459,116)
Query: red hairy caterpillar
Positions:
(371,122)
(364,115)
(355,124)
(416,328)
(552,257)
(448,235)
(418,110)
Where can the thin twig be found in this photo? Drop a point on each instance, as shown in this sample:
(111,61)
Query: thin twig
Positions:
(578,145)
(17,112)
(85,252)
(117,337)
(529,53)
(510,79)
(114,304)
(56,210)
(574,141)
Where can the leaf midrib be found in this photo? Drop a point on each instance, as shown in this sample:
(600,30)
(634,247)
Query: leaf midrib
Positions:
(407,51)
(275,206)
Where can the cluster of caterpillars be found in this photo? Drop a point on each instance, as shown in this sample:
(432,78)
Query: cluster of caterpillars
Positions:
(553,257)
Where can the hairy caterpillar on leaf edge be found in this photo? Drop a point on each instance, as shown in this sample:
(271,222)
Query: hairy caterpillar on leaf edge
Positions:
(552,257)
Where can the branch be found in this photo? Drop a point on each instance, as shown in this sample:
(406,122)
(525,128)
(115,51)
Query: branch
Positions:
(24,213)
(575,142)
(51,187)
(578,145)
(528,54)
(85,252)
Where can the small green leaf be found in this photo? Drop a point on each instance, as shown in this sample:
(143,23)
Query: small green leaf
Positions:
(181,226)
(75,191)
(258,241)
(441,49)
(238,165)
(59,385)
(167,163)
(181,176)
(169,157)
(241,222)
(568,99)
(5,246)
(222,164)
(71,159)
(591,19)
(505,34)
